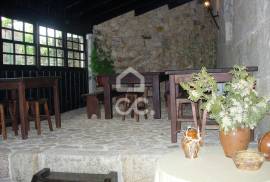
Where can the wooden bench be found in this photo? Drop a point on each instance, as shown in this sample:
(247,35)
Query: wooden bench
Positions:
(45,175)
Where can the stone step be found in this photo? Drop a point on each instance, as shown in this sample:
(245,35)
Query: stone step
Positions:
(4,163)
(130,167)
(5,180)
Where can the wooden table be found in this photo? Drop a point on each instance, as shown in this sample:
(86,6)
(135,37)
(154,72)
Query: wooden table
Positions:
(20,84)
(151,78)
(210,166)
(177,76)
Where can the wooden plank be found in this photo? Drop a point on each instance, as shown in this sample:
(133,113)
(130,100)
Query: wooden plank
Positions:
(214,70)
(220,77)
(156,96)
(107,98)
(173,109)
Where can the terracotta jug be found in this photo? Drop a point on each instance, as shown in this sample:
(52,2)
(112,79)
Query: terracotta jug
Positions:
(264,145)
(191,143)
(234,141)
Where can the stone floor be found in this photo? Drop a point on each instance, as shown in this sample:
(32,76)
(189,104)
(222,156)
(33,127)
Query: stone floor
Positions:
(92,146)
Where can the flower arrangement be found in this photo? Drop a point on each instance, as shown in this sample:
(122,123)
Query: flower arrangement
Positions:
(238,106)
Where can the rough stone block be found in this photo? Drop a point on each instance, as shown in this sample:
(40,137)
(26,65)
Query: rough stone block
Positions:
(139,168)
(23,165)
(61,160)
(4,163)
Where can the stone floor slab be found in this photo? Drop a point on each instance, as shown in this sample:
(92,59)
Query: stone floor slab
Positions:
(92,145)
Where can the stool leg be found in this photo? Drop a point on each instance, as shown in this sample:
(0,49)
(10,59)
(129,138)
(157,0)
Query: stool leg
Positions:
(203,125)
(145,116)
(137,117)
(2,118)
(33,110)
(97,108)
(200,113)
(125,105)
(37,118)
(28,108)
(194,114)
(252,135)
(178,114)
(180,110)
(13,115)
(46,109)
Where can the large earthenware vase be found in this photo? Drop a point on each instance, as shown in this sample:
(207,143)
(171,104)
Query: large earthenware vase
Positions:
(264,145)
(234,141)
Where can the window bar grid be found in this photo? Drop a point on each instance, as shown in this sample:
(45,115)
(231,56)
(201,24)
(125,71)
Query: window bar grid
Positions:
(31,55)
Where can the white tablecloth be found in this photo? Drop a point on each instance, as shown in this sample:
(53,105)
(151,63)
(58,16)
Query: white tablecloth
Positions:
(210,166)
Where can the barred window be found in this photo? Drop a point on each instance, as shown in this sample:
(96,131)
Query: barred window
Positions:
(75,50)
(51,47)
(24,43)
(17,42)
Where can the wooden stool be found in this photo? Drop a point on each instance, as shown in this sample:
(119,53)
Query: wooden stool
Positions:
(132,97)
(179,108)
(12,110)
(92,105)
(2,122)
(33,106)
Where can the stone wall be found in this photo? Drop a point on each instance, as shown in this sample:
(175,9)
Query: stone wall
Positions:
(183,37)
(244,38)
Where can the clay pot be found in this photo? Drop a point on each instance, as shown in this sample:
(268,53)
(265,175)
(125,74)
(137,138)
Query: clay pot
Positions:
(234,141)
(264,145)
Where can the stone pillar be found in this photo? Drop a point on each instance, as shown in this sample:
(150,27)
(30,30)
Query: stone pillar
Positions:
(91,78)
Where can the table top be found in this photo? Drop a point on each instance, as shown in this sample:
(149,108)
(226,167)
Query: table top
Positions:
(143,73)
(210,70)
(136,77)
(210,166)
(28,78)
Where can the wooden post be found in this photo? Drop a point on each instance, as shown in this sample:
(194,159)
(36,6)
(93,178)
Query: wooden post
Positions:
(22,109)
(156,97)
(173,109)
(56,104)
(107,98)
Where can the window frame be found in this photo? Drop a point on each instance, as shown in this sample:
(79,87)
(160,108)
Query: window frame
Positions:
(16,42)
(48,47)
(81,52)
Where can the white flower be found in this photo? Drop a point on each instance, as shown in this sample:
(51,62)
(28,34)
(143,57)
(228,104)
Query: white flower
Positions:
(194,93)
(226,122)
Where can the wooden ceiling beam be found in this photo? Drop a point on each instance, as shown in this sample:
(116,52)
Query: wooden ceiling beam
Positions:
(175,3)
(72,4)
(150,5)
(97,5)
(122,8)
(73,13)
